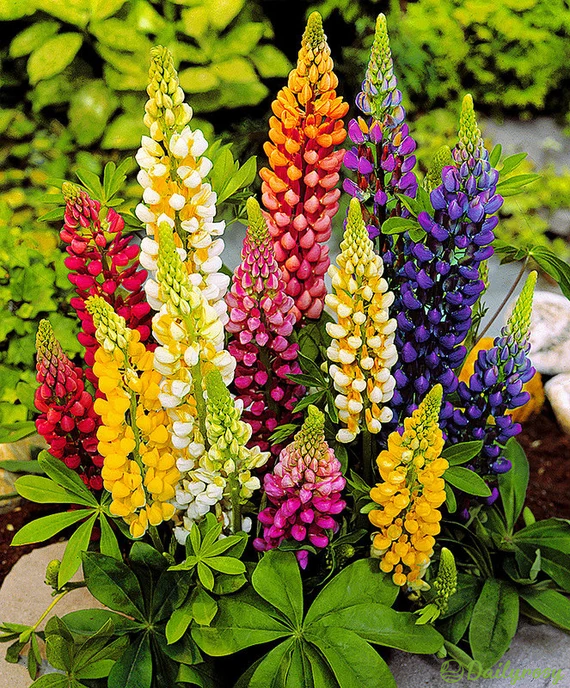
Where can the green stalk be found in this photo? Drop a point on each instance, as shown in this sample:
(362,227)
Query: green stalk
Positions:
(236,506)
(368,456)
(200,401)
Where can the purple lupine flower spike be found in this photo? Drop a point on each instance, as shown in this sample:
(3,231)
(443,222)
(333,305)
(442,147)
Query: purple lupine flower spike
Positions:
(382,157)
(495,387)
(440,280)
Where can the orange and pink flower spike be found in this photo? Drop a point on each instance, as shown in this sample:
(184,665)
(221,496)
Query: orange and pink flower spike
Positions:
(299,191)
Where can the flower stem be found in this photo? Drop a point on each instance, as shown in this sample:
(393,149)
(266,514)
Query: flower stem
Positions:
(236,507)
(503,302)
(200,402)
(155,537)
(368,456)
(48,610)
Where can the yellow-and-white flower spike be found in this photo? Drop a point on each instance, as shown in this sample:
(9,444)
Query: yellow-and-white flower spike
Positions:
(191,342)
(173,173)
(362,350)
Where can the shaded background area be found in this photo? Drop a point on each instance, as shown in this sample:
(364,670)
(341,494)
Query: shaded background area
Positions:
(73,78)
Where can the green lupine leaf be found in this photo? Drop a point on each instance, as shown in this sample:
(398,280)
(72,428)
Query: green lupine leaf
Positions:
(514,483)
(113,583)
(494,622)
(272,670)
(204,607)
(398,225)
(53,56)
(241,622)
(134,669)
(461,453)
(206,576)
(341,648)
(277,579)
(66,478)
(77,544)
(108,544)
(228,565)
(361,582)
(467,481)
(551,604)
(47,526)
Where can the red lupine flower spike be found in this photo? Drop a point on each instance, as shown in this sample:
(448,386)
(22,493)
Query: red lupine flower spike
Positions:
(67,420)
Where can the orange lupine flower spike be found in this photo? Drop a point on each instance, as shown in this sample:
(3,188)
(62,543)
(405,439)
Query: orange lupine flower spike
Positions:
(299,190)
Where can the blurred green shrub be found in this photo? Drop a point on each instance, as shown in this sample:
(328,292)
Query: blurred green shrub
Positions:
(513,54)
(89,58)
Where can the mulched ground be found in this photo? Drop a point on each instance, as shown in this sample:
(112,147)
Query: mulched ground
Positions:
(547,448)
(548,452)
(10,523)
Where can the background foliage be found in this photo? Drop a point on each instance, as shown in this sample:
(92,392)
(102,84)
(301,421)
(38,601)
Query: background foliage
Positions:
(73,80)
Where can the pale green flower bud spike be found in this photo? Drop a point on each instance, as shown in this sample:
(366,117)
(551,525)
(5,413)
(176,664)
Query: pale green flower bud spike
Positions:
(356,240)
(470,139)
(441,159)
(310,440)
(257,226)
(111,329)
(445,585)
(171,274)
(431,406)
(314,35)
(165,109)
(518,324)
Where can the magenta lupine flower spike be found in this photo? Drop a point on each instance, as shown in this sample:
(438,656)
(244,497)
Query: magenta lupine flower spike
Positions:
(304,490)
(261,318)
(102,266)
(67,420)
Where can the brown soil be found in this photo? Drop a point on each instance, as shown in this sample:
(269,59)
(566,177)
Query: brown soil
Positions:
(548,452)
(10,523)
(547,448)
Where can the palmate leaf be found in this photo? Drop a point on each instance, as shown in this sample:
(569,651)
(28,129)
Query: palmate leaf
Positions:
(113,583)
(320,650)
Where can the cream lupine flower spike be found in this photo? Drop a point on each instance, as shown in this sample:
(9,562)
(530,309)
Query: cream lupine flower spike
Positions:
(223,480)
(362,350)
(173,172)
(139,468)
(191,342)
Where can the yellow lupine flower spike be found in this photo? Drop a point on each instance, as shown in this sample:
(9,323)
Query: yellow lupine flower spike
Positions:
(139,470)
(173,172)
(410,494)
(362,350)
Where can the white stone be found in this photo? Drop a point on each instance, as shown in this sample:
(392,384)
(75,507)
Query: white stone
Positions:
(558,392)
(24,597)
(550,333)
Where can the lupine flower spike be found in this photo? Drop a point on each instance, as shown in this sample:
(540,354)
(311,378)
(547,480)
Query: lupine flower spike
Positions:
(102,266)
(299,190)
(67,420)
(191,342)
(173,172)
(445,585)
(495,387)
(304,490)
(139,468)
(382,156)
(261,322)
(441,159)
(410,494)
(440,280)
(362,350)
